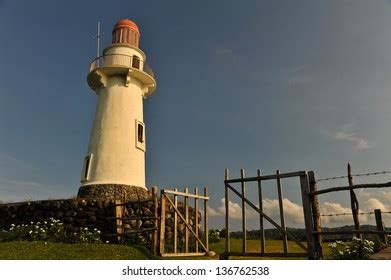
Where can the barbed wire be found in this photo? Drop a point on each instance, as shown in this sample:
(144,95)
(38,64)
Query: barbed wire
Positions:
(360,213)
(355,175)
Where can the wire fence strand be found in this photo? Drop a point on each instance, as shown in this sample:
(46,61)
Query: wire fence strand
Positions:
(360,213)
(355,175)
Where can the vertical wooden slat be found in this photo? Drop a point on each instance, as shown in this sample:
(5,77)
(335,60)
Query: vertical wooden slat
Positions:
(156,221)
(380,226)
(162,221)
(260,201)
(227,238)
(282,216)
(206,219)
(353,202)
(244,222)
(196,218)
(118,221)
(315,215)
(187,221)
(175,235)
(309,227)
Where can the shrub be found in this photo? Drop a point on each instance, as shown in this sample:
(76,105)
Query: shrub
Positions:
(51,230)
(356,249)
(214,236)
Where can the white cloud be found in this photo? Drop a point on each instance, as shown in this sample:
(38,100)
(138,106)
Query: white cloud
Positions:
(235,210)
(358,142)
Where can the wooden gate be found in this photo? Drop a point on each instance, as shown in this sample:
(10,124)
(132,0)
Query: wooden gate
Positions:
(302,175)
(171,206)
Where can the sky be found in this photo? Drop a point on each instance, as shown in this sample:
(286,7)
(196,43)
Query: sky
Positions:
(270,85)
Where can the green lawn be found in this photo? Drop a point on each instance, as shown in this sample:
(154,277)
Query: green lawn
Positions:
(24,250)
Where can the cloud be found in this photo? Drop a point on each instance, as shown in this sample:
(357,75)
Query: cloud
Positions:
(293,212)
(235,210)
(358,142)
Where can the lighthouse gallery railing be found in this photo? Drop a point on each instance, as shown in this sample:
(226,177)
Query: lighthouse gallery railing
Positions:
(121,60)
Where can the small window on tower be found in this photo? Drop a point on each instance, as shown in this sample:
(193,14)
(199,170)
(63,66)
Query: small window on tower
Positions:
(140,133)
(136,62)
(86,169)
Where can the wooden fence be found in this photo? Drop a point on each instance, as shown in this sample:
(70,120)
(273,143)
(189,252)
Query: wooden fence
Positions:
(314,201)
(169,200)
(309,250)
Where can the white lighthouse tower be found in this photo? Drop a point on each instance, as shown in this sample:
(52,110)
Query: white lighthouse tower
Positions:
(121,78)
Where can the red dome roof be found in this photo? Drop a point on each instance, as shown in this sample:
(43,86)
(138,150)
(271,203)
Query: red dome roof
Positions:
(126,23)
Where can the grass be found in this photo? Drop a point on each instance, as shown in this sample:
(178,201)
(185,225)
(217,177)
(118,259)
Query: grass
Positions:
(272,246)
(24,250)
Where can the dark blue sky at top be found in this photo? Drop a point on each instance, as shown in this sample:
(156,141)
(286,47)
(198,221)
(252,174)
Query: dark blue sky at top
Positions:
(289,85)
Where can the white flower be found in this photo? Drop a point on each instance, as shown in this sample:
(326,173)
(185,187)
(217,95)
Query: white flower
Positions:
(85,228)
(30,232)
(107,241)
(12,225)
(46,222)
(98,231)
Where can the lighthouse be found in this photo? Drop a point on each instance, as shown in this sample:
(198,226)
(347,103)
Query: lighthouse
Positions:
(114,165)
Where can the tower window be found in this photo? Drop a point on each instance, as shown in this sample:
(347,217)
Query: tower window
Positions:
(140,133)
(86,168)
(136,62)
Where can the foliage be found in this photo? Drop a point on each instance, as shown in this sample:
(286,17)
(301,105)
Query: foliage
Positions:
(214,236)
(356,249)
(51,230)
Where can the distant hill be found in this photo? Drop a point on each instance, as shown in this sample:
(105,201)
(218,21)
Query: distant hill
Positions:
(274,234)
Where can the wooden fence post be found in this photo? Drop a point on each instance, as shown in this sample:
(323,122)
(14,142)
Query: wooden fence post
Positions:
(353,202)
(206,219)
(175,235)
(244,219)
(187,220)
(380,226)
(196,218)
(309,228)
(282,215)
(260,201)
(162,221)
(156,221)
(315,215)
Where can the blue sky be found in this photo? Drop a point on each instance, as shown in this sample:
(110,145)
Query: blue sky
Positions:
(288,85)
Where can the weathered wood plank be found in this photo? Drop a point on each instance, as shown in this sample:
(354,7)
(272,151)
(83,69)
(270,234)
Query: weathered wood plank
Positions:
(267,177)
(162,222)
(196,218)
(155,235)
(282,214)
(380,226)
(175,235)
(186,202)
(260,201)
(309,227)
(315,215)
(353,202)
(186,194)
(347,188)
(166,255)
(244,219)
(206,219)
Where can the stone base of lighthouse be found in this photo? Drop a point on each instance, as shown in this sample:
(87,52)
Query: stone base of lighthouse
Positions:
(114,191)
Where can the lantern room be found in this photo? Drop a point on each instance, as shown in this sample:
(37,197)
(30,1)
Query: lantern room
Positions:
(126,31)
